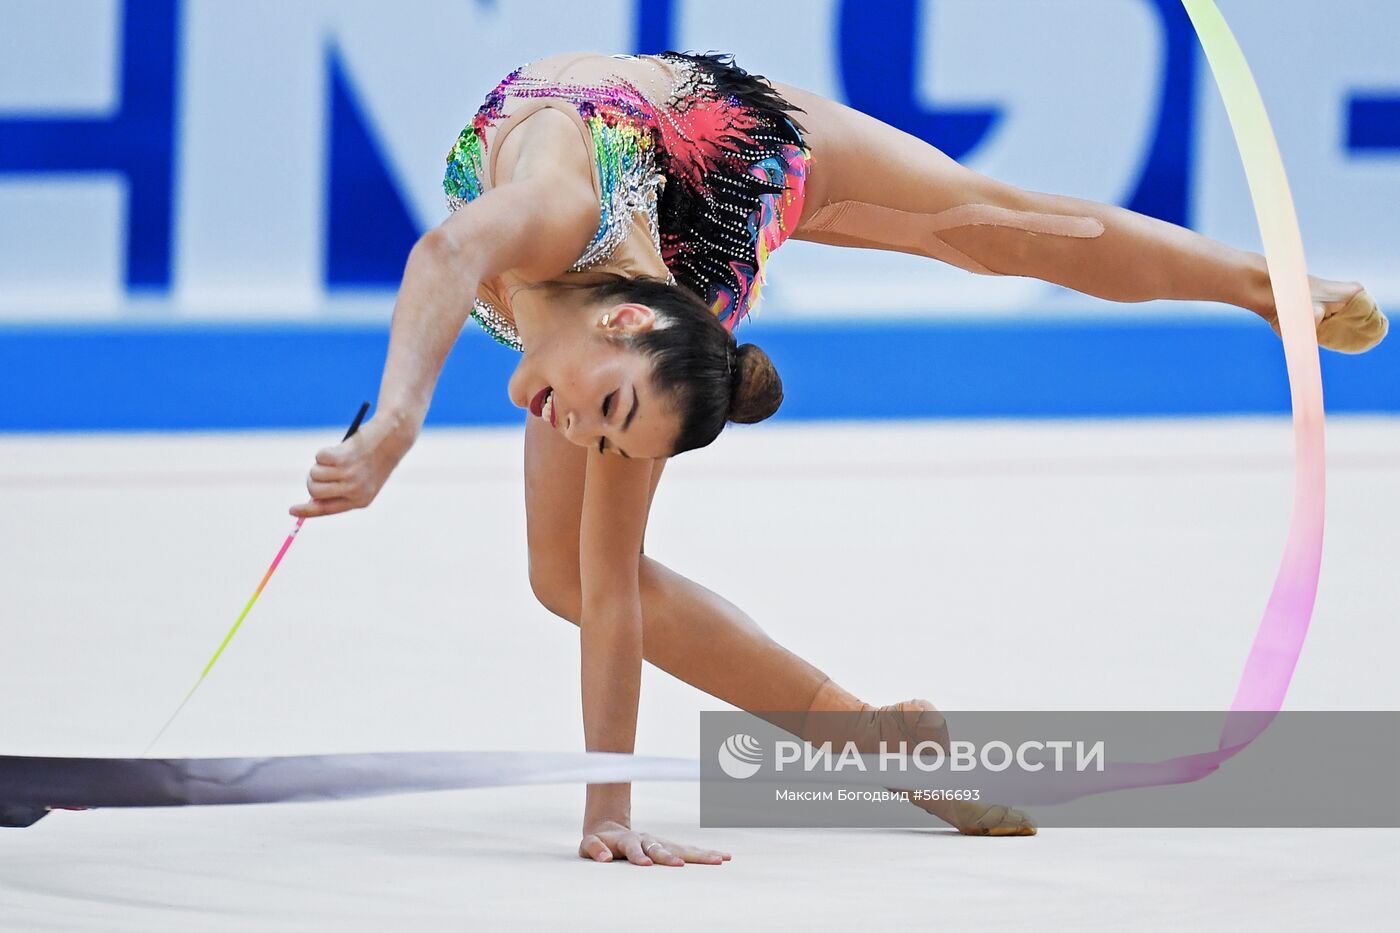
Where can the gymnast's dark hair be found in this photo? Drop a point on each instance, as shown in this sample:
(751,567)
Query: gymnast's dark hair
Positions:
(696,363)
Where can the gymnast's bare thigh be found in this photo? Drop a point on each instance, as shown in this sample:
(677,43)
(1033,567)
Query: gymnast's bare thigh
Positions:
(872,185)
(856,157)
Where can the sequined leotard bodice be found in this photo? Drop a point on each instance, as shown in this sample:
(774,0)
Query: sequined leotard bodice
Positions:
(703,155)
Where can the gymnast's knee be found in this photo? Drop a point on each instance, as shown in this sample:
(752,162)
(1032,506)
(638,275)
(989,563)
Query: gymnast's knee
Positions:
(556,586)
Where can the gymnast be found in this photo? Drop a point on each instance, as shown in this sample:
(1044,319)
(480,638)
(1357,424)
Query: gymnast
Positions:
(610,217)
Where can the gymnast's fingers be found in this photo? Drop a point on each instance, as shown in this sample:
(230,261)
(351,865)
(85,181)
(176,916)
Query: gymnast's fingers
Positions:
(697,854)
(317,507)
(632,848)
(323,492)
(329,489)
(334,456)
(326,473)
(659,851)
(594,848)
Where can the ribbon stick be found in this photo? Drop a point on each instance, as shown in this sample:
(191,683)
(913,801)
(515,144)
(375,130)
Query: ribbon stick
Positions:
(354,426)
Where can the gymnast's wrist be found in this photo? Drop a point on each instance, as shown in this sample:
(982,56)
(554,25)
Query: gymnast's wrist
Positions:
(403,418)
(607,803)
(604,824)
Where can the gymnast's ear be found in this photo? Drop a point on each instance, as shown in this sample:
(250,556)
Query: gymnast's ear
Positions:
(625,319)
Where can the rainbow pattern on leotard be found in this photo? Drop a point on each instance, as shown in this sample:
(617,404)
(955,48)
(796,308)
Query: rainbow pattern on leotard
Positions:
(718,171)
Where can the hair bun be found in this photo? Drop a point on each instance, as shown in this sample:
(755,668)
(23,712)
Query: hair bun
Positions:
(757,390)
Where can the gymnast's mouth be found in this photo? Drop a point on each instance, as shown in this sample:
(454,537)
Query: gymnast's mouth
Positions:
(542,405)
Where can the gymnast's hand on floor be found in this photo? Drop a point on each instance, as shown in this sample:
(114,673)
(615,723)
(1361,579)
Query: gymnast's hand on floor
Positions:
(350,474)
(603,841)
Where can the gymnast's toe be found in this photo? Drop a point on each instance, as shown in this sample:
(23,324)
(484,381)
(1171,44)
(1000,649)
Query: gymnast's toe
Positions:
(997,820)
(1357,327)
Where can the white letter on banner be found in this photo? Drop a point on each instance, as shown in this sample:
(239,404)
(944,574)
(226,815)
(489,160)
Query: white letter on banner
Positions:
(785,753)
(1094,754)
(1023,762)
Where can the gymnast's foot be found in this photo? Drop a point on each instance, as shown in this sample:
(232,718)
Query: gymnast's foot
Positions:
(847,719)
(920,721)
(1347,317)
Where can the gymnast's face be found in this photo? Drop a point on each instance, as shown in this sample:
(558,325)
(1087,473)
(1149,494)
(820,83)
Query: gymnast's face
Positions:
(578,378)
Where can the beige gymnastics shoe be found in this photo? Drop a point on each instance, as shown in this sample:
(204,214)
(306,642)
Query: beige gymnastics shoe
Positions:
(844,718)
(920,721)
(1348,323)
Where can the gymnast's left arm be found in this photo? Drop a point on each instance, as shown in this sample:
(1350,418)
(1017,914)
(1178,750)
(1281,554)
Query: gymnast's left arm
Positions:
(615,494)
(610,544)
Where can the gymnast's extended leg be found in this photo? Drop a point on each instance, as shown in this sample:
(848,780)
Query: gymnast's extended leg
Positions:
(875,186)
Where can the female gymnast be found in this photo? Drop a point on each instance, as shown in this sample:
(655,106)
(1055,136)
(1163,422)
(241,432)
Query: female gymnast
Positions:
(610,219)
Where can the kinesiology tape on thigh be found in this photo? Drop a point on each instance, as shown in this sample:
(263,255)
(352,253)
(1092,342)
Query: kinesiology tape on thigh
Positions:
(888,227)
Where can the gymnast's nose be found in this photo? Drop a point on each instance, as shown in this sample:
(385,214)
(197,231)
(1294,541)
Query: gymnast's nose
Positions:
(581,430)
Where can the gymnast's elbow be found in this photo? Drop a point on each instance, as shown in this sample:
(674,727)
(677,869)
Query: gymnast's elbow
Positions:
(439,247)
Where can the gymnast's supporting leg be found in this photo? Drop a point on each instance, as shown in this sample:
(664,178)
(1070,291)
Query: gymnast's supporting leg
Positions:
(703,639)
(875,186)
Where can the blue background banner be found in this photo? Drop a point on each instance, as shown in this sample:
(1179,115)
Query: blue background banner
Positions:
(224,377)
(206,190)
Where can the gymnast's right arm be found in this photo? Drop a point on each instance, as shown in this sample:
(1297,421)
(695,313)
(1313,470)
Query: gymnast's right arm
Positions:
(535,225)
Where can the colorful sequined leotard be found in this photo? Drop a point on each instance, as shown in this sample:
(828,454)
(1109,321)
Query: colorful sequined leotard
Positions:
(717,171)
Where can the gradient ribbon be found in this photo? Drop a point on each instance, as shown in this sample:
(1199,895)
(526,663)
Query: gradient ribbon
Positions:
(1278,642)
(29,785)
